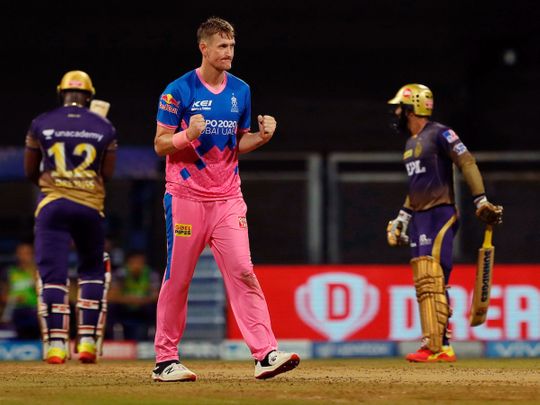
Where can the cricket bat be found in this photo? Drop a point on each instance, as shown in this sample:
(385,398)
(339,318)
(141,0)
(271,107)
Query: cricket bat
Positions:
(100,107)
(482,286)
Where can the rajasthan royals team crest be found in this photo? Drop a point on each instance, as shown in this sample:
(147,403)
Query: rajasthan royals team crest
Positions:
(337,305)
(234,104)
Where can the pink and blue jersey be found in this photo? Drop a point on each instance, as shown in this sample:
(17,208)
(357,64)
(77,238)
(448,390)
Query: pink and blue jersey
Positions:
(207,169)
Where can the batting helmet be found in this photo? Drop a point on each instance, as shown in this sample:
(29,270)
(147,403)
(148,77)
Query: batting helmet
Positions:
(416,95)
(76,80)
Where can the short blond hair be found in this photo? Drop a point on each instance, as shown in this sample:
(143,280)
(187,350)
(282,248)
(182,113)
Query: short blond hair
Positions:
(214,25)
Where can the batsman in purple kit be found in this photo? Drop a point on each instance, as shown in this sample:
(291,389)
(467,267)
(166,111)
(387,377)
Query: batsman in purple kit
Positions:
(69,153)
(428,220)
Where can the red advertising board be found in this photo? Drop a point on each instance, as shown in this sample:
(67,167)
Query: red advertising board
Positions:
(342,302)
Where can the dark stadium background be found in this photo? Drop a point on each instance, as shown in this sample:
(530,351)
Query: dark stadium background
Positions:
(325,72)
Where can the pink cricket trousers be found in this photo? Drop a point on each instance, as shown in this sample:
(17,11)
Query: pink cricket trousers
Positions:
(191,225)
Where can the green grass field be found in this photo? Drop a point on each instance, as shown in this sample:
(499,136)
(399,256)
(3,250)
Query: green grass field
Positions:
(356,381)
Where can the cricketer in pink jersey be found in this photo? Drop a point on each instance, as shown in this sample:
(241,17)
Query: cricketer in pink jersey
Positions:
(203,123)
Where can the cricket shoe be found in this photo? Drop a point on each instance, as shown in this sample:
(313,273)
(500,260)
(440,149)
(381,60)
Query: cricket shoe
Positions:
(87,352)
(275,363)
(56,355)
(424,355)
(173,372)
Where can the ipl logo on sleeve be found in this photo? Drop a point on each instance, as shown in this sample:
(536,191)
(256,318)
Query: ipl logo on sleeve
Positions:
(337,304)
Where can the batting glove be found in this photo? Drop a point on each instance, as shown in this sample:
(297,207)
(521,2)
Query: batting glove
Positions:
(396,231)
(487,212)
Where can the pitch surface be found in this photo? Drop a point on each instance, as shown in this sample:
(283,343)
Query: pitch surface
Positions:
(357,381)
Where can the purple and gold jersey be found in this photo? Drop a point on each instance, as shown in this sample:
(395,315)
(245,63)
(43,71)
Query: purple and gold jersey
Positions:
(207,169)
(73,141)
(428,158)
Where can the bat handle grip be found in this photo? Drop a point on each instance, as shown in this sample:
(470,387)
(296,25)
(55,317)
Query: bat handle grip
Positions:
(488,236)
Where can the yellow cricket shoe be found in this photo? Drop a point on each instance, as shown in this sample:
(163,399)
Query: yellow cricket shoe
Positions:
(87,352)
(56,355)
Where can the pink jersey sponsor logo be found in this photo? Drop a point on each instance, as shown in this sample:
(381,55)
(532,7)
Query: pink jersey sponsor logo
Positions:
(242,222)
(168,103)
(169,99)
(167,107)
(183,230)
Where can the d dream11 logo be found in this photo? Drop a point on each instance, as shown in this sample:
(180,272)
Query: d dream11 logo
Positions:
(340,304)
(337,304)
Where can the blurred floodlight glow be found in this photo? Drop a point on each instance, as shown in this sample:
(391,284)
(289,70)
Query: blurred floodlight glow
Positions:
(509,57)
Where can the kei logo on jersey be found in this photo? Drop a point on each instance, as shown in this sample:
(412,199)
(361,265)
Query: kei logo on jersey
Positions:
(201,105)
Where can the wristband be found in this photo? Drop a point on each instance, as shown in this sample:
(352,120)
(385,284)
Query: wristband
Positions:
(407,210)
(180,140)
(404,216)
(480,200)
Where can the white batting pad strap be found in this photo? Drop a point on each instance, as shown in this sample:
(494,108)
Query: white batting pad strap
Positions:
(81,282)
(56,286)
(60,309)
(59,334)
(87,304)
(86,329)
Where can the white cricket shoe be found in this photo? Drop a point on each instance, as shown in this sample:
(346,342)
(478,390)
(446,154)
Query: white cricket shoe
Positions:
(173,372)
(275,363)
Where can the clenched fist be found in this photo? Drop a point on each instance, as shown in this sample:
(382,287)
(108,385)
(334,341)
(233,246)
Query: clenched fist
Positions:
(267,126)
(197,125)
